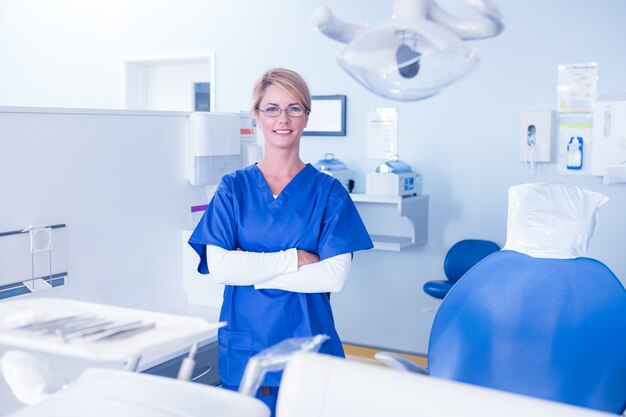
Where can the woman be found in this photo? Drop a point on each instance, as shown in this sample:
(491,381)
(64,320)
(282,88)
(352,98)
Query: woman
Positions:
(280,235)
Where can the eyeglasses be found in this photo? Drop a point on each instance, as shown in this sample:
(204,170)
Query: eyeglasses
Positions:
(275,111)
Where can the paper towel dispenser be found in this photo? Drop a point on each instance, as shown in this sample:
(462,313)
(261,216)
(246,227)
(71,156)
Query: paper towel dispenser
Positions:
(214,146)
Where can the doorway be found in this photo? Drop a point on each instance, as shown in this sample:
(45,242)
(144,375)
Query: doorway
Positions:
(169,83)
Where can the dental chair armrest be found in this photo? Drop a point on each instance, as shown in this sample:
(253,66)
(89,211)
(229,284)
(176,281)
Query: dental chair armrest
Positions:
(395,361)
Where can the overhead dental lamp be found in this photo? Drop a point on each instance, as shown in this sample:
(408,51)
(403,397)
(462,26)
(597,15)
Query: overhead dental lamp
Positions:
(417,53)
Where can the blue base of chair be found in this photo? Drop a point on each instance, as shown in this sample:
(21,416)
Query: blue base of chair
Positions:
(437,289)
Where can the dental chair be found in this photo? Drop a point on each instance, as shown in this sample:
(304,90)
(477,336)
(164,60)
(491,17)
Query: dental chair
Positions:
(313,385)
(537,318)
(461,257)
(102,392)
(54,351)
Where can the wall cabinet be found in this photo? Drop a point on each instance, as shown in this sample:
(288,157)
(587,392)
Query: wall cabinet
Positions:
(394,223)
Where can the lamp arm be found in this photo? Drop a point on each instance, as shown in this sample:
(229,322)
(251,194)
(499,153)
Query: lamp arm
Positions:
(489,25)
(334,28)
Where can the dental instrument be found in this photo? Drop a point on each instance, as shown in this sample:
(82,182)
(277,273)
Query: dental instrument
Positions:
(186,368)
(93,328)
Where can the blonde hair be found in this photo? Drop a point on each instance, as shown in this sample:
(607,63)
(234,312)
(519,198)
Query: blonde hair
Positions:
(289,80)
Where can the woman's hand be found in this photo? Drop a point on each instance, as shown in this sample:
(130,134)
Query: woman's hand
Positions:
(306,258)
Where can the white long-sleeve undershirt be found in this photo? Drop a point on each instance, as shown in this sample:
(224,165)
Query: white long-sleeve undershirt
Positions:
(277,270)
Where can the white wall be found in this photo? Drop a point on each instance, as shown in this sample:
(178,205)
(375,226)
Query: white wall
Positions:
(464,141)
(117,180)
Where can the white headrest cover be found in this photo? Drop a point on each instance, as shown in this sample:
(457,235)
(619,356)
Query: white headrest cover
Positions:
(551,220)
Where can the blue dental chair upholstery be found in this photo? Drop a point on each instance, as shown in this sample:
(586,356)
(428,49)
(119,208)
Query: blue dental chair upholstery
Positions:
(548,328)
(537,318)
(461,257)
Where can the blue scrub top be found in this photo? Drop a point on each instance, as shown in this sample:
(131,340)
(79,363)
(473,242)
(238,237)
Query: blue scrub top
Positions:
(313,213)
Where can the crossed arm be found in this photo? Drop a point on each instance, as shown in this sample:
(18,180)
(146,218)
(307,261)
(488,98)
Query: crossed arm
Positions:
(290,270)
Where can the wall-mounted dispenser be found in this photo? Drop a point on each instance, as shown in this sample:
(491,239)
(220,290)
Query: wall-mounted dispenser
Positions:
(214,146)
(575,143)
(537,128)
(575,153)
(251,152)
(609,136)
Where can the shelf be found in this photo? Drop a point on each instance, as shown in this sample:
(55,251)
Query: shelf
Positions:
(391,243)
(394,223)
(384,199)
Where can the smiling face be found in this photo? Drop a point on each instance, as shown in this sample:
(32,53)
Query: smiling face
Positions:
(283,131)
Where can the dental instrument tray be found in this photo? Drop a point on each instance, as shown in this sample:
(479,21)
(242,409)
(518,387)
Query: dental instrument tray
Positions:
(97,331)
(93,328)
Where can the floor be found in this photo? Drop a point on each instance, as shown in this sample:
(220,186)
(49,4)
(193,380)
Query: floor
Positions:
(366,354)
